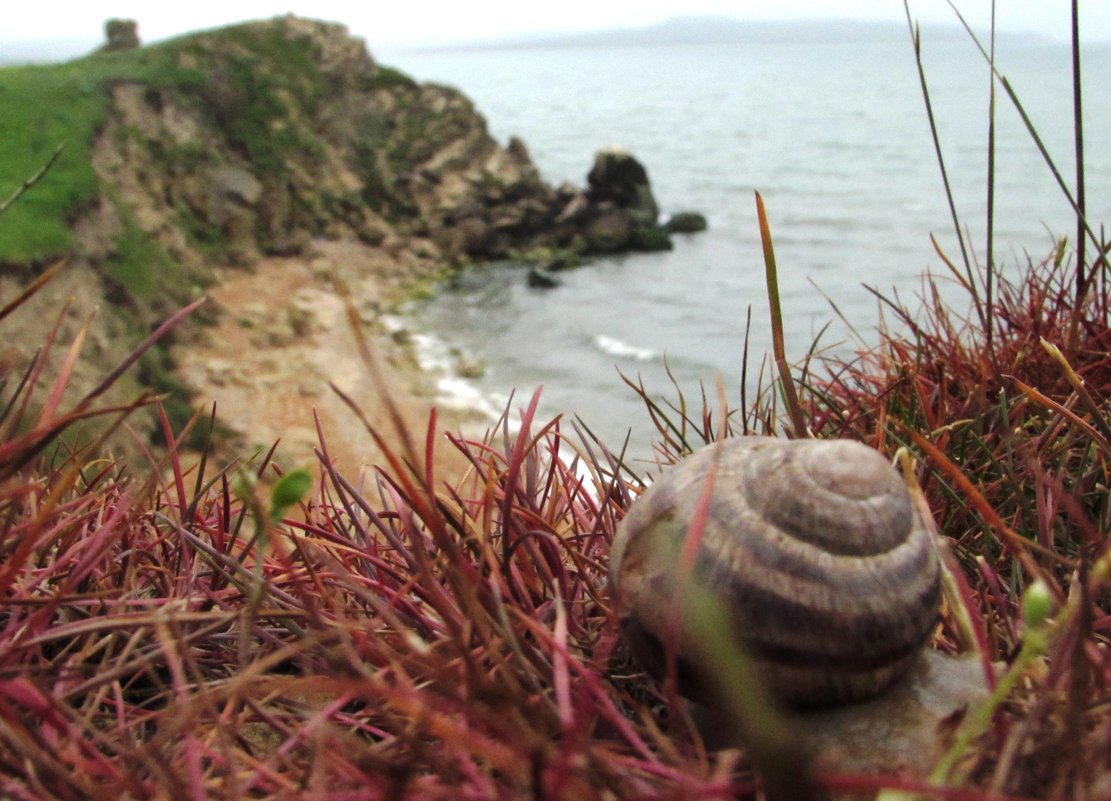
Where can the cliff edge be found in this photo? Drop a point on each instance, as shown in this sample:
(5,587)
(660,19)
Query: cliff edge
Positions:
(255,139)
(263,140)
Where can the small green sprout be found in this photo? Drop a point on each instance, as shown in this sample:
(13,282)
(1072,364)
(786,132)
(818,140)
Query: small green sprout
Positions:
(289,490)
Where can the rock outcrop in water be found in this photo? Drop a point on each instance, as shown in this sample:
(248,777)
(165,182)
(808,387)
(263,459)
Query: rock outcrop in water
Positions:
(686,222)
(618,210)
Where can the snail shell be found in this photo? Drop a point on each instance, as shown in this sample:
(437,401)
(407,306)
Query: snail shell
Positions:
(814,547)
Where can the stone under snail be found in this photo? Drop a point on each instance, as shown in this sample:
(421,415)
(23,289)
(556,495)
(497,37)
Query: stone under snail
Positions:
(815,548)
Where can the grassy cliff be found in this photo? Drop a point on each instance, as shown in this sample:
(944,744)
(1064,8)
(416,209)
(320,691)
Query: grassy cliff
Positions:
(219,148)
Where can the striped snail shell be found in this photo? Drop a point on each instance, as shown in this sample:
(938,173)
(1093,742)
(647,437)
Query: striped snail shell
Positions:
(816,551)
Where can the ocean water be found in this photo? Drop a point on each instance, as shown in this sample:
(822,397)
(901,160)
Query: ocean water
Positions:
(833,135)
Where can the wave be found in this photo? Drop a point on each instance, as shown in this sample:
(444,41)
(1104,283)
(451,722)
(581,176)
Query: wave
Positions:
(439,361)
(615,347)
(461,395)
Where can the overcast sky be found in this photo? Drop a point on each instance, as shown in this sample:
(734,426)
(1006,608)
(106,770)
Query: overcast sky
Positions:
(390,22)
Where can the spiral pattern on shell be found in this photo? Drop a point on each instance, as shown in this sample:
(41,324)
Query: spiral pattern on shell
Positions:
(814,547)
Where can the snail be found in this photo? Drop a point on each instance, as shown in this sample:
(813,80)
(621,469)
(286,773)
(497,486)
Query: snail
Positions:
(814,548)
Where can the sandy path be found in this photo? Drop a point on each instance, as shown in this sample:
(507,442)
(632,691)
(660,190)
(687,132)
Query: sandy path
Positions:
(284,336)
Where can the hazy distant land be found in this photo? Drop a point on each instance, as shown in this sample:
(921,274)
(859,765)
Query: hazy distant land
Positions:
(726,30)
(679,30)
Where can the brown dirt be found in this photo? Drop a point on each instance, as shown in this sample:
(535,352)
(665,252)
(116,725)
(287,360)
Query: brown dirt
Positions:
(284,337)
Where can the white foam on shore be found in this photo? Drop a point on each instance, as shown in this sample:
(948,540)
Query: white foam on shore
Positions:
(392,324)
(460,394)
(437,360)
(432,353)
(623,350)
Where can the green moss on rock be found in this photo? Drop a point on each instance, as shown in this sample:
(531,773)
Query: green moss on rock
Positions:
(650,238)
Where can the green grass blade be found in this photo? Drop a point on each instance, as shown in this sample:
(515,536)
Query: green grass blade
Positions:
(794,409)
(916,37)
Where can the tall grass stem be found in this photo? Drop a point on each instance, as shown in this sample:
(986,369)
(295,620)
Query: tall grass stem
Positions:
(794,408)
(1078,144)
(989,258)
(1082,220)
(916,38)
(34,179)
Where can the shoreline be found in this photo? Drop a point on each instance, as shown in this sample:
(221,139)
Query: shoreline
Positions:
(283,337)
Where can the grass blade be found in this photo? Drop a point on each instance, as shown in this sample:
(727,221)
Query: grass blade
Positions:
(798,422)
(916,38)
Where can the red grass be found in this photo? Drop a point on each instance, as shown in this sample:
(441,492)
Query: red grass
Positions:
(1012,436)
(400,636)
(393,638)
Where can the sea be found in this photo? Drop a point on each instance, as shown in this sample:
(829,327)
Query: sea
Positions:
(831,131)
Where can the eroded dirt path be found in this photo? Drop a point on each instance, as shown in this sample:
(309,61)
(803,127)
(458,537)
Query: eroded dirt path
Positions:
(284,337)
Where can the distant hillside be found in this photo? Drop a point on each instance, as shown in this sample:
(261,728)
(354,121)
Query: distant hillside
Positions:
(716,30)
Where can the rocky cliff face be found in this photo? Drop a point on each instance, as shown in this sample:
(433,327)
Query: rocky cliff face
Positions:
(264,140)
(270,134)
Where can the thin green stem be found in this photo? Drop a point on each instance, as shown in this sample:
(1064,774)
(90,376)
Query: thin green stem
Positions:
(1078,133)
(1081,206)
(916,38)
(1082,220)
(794,409)
(34,179)
(990,257)
(977,722)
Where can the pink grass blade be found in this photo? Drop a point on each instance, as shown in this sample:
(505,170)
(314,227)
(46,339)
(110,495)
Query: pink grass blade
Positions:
(143,347)
(175,461)
(1083,425)
(561,678)
(54,399)
(397,420)
(45,277)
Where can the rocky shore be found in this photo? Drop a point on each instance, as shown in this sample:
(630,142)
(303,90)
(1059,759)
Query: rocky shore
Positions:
(274,359)
(278,133)
(272,164)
